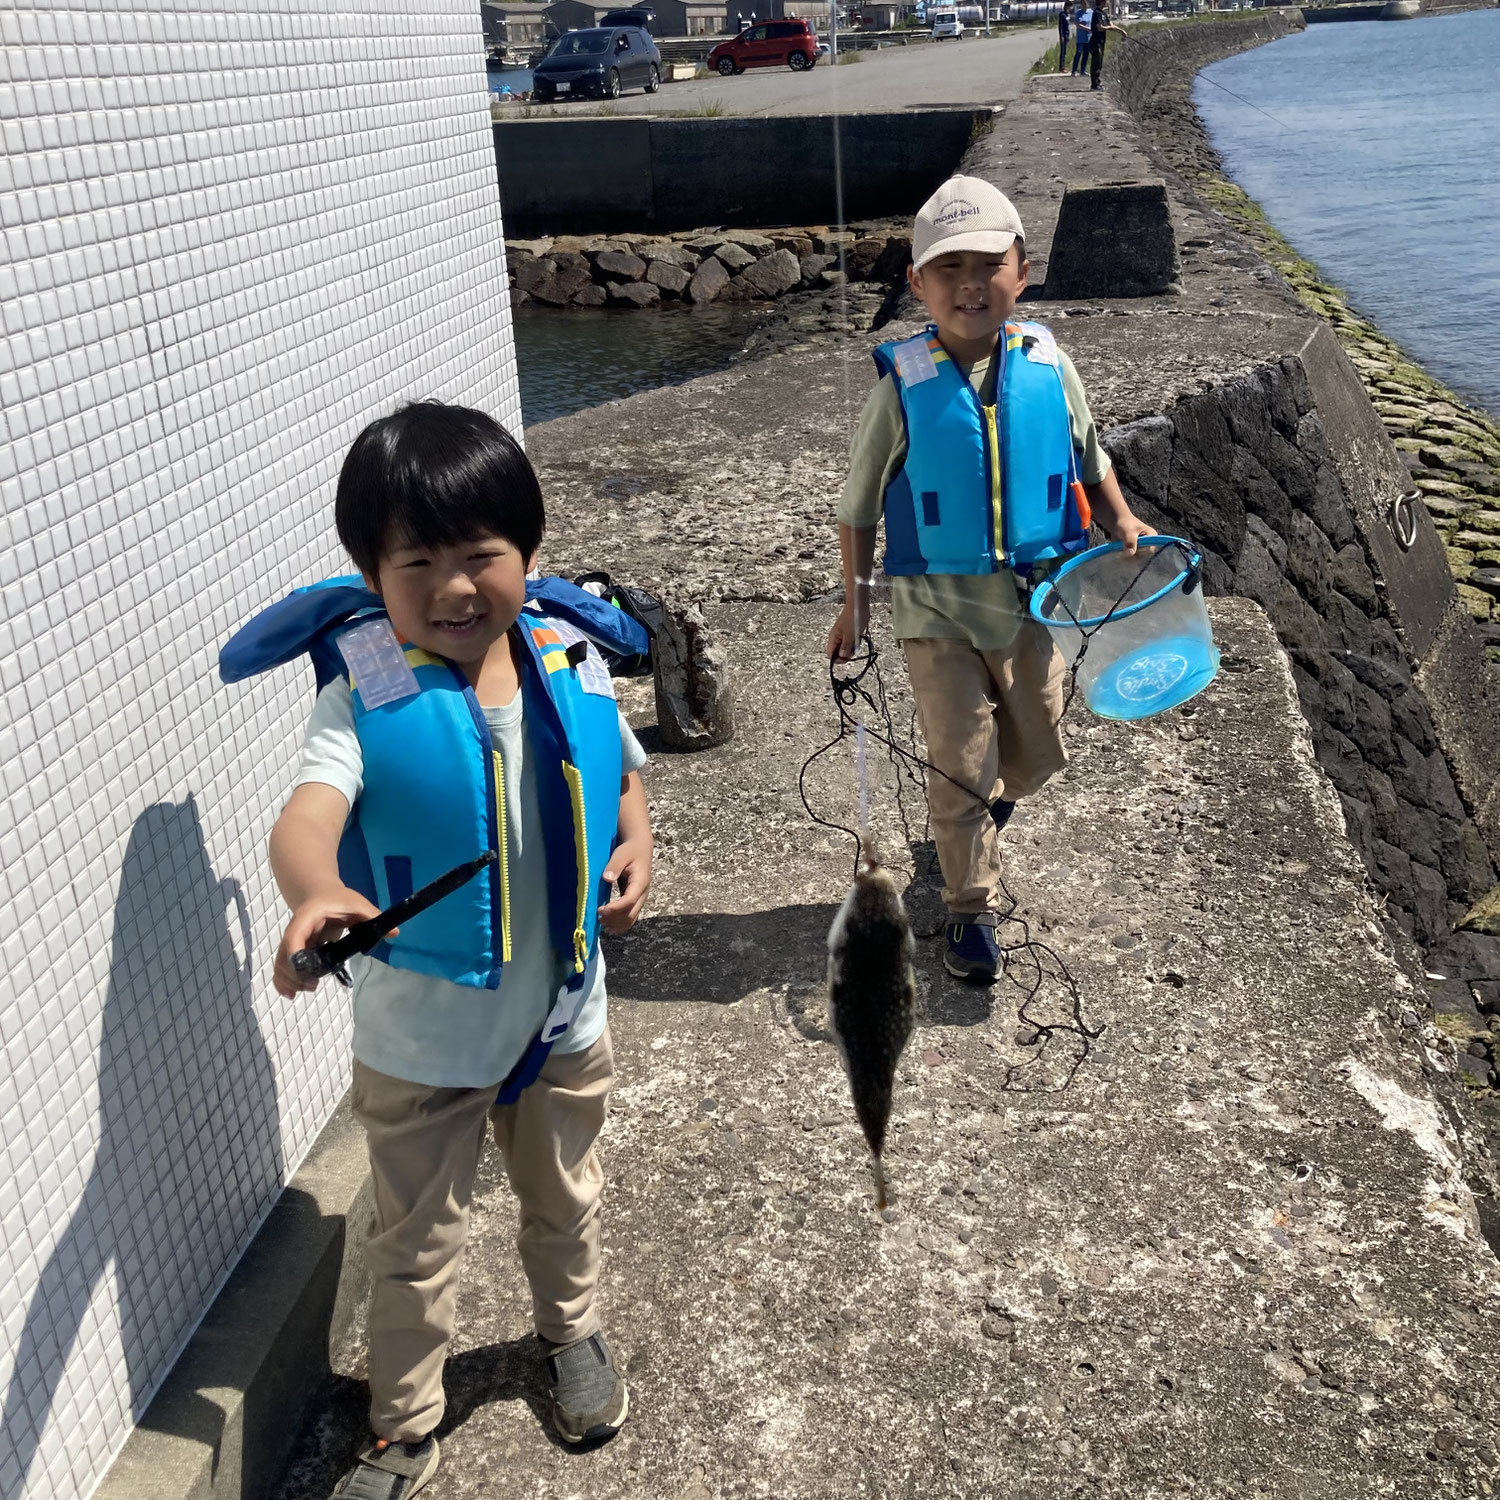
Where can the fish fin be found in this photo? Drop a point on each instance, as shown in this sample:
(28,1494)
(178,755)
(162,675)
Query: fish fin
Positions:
(880,1199)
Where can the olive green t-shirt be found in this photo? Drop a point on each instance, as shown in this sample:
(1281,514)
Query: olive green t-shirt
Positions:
(984,608)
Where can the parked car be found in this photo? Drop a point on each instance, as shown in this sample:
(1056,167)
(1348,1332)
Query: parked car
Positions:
(772,44)
(598,61)
(945,23)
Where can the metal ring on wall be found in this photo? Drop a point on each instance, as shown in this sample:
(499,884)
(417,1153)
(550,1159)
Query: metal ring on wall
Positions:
(1403,519)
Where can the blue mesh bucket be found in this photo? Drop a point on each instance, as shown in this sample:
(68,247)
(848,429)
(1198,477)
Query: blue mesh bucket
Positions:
(1134,629)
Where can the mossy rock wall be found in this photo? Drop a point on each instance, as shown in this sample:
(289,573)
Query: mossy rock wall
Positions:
(1451,448)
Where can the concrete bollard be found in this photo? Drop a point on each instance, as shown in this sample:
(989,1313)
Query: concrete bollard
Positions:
(694,705)
(1113,240)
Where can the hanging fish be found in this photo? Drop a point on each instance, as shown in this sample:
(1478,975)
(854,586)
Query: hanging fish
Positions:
(872,995)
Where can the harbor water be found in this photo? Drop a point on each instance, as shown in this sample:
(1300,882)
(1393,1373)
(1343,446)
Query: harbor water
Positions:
(517,80)
(1374,147)
(569,359)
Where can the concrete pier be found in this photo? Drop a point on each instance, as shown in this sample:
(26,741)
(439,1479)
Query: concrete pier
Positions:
(771,146)
(1223,1231)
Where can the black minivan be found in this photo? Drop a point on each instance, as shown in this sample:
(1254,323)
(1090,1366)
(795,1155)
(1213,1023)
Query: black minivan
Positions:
(598,62)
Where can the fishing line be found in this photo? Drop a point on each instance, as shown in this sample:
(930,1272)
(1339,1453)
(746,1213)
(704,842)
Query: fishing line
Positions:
(1243,100)
(863,773)
(848,693)
(1126,36)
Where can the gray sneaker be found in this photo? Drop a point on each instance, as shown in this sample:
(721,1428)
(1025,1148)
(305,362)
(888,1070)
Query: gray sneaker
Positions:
(589,1400)
(389,1471)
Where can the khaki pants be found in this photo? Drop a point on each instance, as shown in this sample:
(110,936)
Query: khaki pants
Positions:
(424,1150)
(991,721)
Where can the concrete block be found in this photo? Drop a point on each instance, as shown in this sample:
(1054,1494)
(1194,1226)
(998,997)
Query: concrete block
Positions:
(1462,692)
(1113,239)
(1418,581)
(694,701)
(224,1420)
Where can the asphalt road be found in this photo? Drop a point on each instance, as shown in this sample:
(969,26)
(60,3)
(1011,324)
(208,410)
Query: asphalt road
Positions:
(978,70)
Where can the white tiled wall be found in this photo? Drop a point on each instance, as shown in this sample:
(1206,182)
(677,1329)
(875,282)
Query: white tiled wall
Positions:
(232,235)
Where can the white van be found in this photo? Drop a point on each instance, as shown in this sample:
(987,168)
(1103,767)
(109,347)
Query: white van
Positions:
(945,23)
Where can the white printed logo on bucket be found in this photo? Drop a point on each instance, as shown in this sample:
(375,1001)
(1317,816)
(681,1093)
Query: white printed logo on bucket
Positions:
(1151,675)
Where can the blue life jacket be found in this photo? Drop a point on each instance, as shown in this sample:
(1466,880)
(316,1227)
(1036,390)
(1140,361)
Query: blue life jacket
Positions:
(434,793)
(982,486)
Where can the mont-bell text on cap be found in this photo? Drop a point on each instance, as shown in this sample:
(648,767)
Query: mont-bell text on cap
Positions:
(956,212)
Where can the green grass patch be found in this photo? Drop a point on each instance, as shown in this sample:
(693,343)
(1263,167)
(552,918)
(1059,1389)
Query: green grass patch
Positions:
(850,57)
(710,111)
(1048,61)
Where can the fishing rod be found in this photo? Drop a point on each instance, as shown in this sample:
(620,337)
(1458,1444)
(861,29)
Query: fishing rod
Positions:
(1126,36)
(363,937)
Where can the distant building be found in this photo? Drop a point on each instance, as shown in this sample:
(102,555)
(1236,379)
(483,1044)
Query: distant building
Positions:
(521,27)
(695,17)
(675,17)
(877,16)
(573,15)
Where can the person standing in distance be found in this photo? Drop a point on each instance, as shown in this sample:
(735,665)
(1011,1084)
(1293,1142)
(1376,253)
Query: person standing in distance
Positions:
(1081,24)
(1064,20)
(1101,24)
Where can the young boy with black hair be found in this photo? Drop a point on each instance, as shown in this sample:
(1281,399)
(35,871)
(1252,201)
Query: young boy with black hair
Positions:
(454,721)
(978,451)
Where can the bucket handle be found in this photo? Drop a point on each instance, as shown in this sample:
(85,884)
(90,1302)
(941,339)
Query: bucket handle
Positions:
(1193,576)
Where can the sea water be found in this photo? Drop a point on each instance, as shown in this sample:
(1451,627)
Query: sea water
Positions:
(1374,147)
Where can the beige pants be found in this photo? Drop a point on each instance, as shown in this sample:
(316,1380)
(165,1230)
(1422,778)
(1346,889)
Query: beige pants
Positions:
(424,1150)
(991,721)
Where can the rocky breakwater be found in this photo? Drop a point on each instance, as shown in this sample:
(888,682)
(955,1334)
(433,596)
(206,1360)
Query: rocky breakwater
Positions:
(741,265)
(1451,448)
(1285,472)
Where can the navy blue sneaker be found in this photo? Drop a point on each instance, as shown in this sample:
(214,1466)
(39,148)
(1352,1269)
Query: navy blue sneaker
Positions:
(1000,811)
(973,952)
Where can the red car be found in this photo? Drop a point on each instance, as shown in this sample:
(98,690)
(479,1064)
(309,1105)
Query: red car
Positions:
(772,44)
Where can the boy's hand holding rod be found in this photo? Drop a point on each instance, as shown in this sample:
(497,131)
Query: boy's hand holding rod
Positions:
(310,964)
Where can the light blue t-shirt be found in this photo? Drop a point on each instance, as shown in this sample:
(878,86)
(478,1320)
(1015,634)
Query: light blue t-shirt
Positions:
(430,1031)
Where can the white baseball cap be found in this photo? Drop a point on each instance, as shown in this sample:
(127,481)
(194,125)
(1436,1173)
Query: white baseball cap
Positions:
(966,213)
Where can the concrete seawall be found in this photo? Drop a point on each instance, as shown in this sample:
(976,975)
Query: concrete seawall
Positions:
(1421,837)
(657,173)
(1242,1251)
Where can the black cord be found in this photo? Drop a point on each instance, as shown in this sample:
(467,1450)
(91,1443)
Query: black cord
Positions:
(848,692)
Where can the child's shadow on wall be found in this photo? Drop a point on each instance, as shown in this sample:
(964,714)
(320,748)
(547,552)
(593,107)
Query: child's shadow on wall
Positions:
(189,1130)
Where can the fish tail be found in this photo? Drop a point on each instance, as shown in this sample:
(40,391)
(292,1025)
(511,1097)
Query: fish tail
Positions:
(869,852)
(879,1184)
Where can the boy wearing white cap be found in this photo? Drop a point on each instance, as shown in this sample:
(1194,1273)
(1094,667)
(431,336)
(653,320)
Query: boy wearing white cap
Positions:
(978,451)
